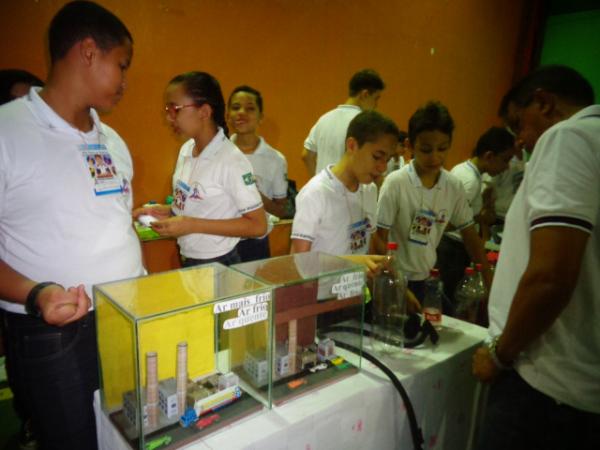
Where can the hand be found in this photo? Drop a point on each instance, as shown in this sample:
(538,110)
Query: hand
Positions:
(161,212)
(483,366)
(60,307)
(174,226)
(371,262)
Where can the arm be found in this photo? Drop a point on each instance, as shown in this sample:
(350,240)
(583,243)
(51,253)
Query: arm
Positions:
(274,206)
(379,241)
(300,246)
(251,224)
(310,161)
(57,305)
(544,291)
(475,249)
(159,211)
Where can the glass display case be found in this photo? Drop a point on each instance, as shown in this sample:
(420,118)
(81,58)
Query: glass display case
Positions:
(312,292)
(171,345)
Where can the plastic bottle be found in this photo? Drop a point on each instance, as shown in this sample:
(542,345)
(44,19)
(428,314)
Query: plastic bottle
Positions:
(389,305)
(467,297)
(434,295)
(482,292)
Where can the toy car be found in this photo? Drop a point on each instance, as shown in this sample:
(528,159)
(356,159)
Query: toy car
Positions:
(318,367)
(188,418)
(207,421)
(156,443)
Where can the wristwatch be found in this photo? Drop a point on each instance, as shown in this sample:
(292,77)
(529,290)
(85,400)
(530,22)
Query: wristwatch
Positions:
(31,307)
(492,347)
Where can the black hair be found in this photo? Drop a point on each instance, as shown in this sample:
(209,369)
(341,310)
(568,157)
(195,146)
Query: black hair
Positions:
(563,81)
(203,88)
(81,19)
(368,126)
(365,79)
(402,136)
(495,140)
(433,116)
(249,90)
(10,77)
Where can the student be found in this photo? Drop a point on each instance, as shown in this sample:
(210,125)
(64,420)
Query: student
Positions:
(15,83)
(216,200)
(544,356)
(244,113)
(397,161)
(417,202)
(325,142)
(336,209)
(491,156)
(61,231)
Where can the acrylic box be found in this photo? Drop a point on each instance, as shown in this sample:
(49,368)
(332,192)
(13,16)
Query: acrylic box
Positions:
(312,292)
(170,345)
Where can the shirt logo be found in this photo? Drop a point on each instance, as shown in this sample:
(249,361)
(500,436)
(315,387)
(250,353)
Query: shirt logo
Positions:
(248,178)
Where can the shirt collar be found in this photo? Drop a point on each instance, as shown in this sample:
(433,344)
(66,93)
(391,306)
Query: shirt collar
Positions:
(337,184)
(416,181)
(214,145)
(345,106)
(50,118)
(260,148)
(592,110)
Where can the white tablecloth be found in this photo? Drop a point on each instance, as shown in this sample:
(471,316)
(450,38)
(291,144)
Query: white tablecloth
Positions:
(363,411)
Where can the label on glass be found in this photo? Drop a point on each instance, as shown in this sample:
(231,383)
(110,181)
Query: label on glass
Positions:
(247,315)
(242,302)
(350,285)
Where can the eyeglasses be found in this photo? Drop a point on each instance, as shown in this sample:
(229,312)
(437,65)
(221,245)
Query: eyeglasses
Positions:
(172,110)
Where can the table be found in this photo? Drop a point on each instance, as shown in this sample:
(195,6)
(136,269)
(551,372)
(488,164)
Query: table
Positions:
(364,411)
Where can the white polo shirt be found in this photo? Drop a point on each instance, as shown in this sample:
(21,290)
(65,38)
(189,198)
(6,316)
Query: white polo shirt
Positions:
(270,170)
(217,184)
(561,188)
(505,184)
(472,182)
(327,138)
(402,197)
(60,220)
(334,219)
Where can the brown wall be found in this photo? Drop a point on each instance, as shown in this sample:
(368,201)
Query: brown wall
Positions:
(300,54)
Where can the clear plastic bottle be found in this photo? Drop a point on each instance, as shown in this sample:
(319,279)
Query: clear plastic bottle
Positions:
(433,300)
(467,297)
(389,305)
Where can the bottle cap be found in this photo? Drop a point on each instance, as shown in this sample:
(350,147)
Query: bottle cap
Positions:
(435,273)
(392,246)
(478,267)
(469,271)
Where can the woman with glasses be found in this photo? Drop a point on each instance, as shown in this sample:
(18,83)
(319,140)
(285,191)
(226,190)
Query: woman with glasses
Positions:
(216,201)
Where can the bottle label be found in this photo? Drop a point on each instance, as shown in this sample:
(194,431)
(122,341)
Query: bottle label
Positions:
(433,315)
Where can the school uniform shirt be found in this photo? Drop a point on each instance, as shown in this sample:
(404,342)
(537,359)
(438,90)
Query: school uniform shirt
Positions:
(327,138)
(394,165)
(416,216)
(472,182)
(334,219)
(270,170)
(561,188)
(505,184)
(217,184)
(65,199)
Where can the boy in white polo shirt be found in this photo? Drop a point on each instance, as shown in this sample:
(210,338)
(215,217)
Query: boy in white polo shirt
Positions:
(325,143)
(492,153)
(335,210)
(544,358)
(62,228)
(417,202)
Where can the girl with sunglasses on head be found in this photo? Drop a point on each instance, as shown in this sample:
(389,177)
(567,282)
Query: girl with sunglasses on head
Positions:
(216,201)
(244,114)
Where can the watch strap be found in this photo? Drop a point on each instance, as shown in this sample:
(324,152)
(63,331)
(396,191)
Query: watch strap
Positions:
(31,302)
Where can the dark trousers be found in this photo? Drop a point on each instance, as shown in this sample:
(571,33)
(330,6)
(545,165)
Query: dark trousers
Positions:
(55,372)
(227,259)
(254,249)
(518,417)
(452,258)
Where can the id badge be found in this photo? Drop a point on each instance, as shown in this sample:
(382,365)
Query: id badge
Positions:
(420,228)
(182,191)
(102,169)
(358,233)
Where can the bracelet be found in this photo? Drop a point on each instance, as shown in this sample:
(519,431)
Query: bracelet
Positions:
(494,355)
(31,302)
